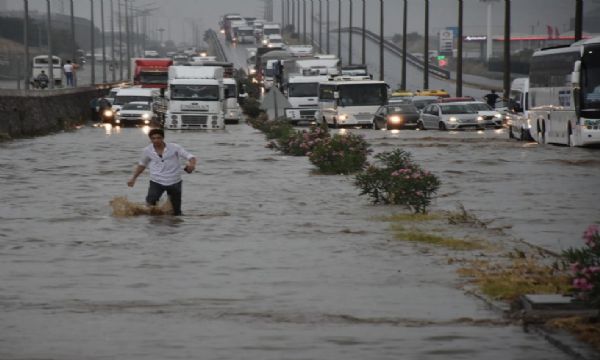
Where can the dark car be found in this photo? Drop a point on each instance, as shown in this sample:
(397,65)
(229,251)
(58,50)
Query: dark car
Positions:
(396,116)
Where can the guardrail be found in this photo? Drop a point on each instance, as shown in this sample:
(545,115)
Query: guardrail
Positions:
(413,60)
(216,44)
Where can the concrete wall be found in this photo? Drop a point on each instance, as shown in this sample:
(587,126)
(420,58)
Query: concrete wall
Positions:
(25,113)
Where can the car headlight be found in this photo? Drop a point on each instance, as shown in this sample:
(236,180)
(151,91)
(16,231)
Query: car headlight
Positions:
(395,119)
(108,113)
(453,119)
(146,121)
(118,121)
(252,71)
(480,118)
(343,117)
(498,116)
(145,116)
(265,42)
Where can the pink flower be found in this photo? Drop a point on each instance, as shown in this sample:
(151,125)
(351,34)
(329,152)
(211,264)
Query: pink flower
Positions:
(591,235)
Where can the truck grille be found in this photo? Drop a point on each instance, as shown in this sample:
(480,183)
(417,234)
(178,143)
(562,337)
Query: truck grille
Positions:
(307,112)
(194,120)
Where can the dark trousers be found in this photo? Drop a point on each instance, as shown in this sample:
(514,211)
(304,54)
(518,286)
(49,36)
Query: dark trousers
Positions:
(155,191)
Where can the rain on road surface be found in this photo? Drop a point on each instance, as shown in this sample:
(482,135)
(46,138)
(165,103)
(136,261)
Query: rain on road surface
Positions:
(271,261)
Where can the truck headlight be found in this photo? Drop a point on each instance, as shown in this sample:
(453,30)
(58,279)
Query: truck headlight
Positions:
(146,121)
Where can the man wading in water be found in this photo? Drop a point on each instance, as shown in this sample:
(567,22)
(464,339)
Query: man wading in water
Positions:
(165,169)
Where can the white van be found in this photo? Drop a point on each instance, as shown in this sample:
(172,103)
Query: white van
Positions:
(233,112)
(519,125)
(127,95)
(41,63)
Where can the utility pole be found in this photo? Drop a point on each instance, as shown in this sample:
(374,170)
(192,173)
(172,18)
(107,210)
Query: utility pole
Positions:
(364,33)
(73,50)
(350,35)
(459,52)
(50,50)
(381,61)
(327,28)
(26,42)
(304,21)
(578,20)
(340,30)
(404,30)
(507,69)
(93,80)
(312,22)
(112,41)
(320,26)
(120,40)
(103,42)
(127,37)
(426,49)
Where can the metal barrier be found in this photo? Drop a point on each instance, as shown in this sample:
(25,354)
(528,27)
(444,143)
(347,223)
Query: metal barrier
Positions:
(216,44)
(413,60)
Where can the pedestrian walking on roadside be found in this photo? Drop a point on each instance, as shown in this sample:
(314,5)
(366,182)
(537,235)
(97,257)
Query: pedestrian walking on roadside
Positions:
(164,162)
(491,99)
(68,70)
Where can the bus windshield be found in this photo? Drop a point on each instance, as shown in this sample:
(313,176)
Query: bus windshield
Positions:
(362,94)
(195,92)
(590,80)
(303,89)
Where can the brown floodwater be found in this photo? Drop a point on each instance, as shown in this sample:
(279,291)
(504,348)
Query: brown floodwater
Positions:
(270,261)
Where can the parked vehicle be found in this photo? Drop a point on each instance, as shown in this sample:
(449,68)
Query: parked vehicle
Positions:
(396,116)
(136,113)
(40,63)
(450,116)
(519,125)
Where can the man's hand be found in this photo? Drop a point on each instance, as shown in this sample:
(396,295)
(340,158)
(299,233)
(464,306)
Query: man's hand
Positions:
(189,168)
(131,182)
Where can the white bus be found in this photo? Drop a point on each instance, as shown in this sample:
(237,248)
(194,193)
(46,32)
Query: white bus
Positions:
(564,94)
(351,102)
(40,63)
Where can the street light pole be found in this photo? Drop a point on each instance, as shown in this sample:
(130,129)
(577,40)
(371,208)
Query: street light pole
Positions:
(127,39)
(26,42)
(103,41)
(320,26)
(327,28)
(304,21)
(312,22)
(112,41)
(507,69)
(364,32)
(350,35)
(92,51)
(459,52)
(120,40)
(73,50)
(404,56)
(426,49)
(381,61)
(578,20)
(50,50)
(340,30)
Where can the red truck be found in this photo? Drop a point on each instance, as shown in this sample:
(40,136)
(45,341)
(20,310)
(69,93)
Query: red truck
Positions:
(150,73)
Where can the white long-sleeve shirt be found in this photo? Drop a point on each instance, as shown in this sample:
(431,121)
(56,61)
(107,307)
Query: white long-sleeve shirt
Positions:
(165,169)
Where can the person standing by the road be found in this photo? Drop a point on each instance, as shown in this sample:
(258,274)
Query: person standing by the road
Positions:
(491,99)
(68,70)
(164,161)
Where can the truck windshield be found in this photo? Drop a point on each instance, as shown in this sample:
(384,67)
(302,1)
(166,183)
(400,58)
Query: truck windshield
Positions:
(195,92)
(269,31)
(153,78)
(303,89)
(590,81)
(362,94)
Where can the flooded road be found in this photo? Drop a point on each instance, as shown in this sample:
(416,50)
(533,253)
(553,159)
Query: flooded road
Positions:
(270,260)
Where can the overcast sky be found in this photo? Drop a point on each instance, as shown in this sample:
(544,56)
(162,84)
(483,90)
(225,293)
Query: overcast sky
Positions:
(176,16)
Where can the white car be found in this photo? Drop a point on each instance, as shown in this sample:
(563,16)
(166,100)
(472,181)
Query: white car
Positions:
(274,41)
(491,118)
(450,116)
(135,113)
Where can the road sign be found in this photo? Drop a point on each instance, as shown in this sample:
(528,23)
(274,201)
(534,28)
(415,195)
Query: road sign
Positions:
(446,41)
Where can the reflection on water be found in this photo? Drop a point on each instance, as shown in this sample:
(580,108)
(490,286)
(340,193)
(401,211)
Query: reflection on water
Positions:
(270,261)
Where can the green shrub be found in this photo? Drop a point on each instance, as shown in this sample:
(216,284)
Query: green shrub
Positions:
(340,154)
(400,181)
(251,107)
(300,143)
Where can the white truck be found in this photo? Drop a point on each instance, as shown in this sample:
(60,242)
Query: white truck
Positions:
(302,93)
(233,112)
(195,97)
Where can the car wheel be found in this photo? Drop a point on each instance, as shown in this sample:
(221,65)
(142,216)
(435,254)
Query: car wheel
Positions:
(420,126)
(442,126)
(510,133)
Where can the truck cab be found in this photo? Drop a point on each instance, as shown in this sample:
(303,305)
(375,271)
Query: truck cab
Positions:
(150,73)
(232,110)
(302,93)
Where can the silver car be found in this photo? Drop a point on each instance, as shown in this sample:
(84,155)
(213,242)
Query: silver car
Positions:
(136,113)
(450,116)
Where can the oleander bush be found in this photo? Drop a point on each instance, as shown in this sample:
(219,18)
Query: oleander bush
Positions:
(340,154)
(585,266)
(398,181)
(300,143)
